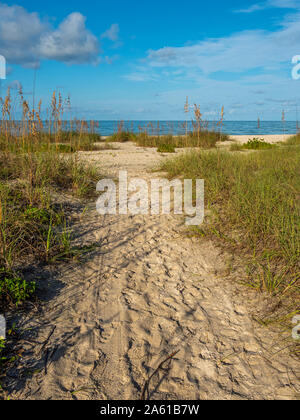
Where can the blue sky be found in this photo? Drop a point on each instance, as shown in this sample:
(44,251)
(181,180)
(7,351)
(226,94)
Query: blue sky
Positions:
(139,60)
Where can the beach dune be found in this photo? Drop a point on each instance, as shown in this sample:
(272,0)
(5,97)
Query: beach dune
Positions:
(270,138)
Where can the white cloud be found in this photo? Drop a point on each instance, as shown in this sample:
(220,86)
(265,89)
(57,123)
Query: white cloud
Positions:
(20,32)
(253,8)
(281,4)
(112,33)
(238,53)
(71,43)
(111,60)
(27,39)
(246,67)
(141,74)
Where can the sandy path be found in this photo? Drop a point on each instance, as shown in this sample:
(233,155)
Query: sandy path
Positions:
(146,292)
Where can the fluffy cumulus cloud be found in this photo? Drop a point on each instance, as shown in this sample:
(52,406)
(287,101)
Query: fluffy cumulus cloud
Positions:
(26,39)
(71,42)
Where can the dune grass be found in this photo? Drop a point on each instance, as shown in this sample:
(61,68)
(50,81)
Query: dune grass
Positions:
(254,144)
(42,142)
(36,165)
(253,203)
(294,140)
(121,137)
(39,171)
(32,226)
(35,229)
(204,139)
(166,148)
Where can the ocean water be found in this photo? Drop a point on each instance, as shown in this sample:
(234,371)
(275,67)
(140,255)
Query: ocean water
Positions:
(250,128)
(107,128)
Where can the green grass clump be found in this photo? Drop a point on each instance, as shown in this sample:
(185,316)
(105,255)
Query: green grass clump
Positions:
(63,148)
(255,203)
(254,144)
(166,148)
(204,139)
(293,141)
(28,229)
(32,226)
(74,136)
(14,289)
(121,137)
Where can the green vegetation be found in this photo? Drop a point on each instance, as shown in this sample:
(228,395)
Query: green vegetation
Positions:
(43,142)
(199,137)
(8,356)
(3,359)
(166,148)
(294,140)
(253,207)
(205,139)
(121,137)
(14,289)
(254,144)
(34,167)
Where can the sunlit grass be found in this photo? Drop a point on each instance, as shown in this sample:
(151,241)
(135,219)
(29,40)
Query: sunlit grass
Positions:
(37,162)
(254,208)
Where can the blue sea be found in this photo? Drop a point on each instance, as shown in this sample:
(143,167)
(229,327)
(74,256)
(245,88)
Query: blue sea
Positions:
(251,128)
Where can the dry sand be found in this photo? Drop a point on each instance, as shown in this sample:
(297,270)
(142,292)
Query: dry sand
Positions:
(146,292)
